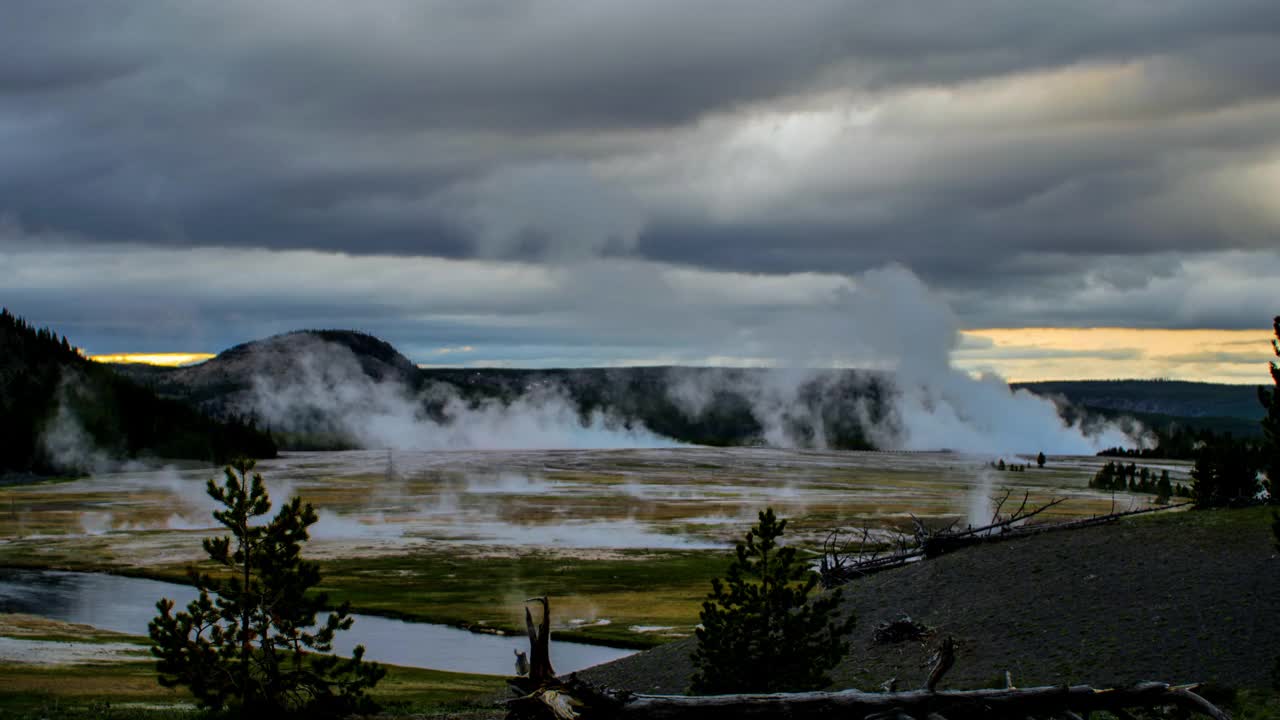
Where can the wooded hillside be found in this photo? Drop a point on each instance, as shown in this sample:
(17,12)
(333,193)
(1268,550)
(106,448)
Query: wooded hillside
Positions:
(59,412)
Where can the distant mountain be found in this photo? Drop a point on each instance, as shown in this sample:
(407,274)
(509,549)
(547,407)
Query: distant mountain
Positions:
(223,386)
(61,413)
(312,389)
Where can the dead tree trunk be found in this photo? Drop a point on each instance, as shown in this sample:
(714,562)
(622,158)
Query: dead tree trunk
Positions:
(540,670)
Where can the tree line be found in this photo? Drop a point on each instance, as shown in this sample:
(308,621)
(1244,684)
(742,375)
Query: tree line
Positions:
(1118,477)
(1182,442)
(46,385)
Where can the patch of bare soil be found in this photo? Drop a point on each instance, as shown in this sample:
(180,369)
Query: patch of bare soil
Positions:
(30,639)
(62,652)
(1188,597)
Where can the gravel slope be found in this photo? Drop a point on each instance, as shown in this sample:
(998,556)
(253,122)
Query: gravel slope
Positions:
(1188,596)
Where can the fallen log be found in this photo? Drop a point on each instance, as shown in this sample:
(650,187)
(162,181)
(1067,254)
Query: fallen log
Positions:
(585,702)
(941,544)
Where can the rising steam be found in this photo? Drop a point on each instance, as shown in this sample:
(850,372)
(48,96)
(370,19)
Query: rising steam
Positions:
(326,392)
(891,322)
(885,321)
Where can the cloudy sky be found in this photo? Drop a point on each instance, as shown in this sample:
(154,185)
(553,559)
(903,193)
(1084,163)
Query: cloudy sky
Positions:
(565,183)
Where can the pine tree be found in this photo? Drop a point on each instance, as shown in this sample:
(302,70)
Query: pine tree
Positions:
(760,632)
(1225,474)
(1040,460)
(1270,398)
(1164,488)
(251,640)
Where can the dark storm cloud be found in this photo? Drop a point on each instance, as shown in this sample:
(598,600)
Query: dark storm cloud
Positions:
(1012,153)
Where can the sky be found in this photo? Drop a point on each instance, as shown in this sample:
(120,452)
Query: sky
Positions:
(545,183)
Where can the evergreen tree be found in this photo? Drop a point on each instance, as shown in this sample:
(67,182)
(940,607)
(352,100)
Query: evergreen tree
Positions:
(251,641)
(1040,460)
(761,632)
(1225,474)
(1270,398)
(1164,489)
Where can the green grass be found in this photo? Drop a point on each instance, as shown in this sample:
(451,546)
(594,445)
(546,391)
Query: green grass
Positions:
(83,690)
(125,690)
(1252,704)
(1224,519)
(413,690)
(629,588)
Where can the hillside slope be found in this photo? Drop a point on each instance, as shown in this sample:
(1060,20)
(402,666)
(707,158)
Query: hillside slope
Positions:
(61,413)
(221,385)
(1188,596)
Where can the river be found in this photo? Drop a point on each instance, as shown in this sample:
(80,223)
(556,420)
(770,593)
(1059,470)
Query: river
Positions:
(126,605)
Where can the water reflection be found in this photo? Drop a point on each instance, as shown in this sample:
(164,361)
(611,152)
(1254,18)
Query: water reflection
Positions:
(126,605)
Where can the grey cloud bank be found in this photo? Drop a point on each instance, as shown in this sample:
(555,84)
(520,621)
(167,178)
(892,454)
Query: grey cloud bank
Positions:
(534,178)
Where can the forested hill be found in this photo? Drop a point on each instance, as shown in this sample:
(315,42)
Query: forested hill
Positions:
(61,413)
(1165,397)
(222,385)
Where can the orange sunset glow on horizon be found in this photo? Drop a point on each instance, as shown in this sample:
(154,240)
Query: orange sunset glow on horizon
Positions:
(173,359)
(1035,354)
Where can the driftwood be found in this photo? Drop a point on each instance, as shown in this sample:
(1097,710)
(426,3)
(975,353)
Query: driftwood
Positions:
(841,564)
(575,699)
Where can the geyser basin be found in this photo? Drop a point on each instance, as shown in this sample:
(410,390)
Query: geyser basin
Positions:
(372,502)
(632,536)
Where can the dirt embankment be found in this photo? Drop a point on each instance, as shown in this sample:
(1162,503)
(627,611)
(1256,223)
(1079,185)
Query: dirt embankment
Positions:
(1191,596)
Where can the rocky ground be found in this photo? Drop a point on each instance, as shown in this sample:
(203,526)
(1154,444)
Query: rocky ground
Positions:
(1183,597)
